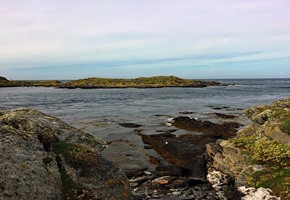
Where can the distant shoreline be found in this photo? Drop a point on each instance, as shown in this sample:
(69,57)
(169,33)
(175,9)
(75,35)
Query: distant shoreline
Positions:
(100,83)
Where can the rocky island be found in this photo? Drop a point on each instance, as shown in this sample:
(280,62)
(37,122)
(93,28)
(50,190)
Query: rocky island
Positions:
(142,82)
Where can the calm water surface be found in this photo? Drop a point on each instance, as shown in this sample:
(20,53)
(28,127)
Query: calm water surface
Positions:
(144,105)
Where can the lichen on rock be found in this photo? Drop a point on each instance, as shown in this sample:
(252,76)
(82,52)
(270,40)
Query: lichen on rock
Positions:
(41,157)
(259,156)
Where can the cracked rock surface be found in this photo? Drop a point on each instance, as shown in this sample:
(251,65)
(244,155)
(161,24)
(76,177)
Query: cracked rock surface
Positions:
(43,158)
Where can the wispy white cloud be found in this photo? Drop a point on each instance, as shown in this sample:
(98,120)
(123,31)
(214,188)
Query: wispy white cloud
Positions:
(37,33)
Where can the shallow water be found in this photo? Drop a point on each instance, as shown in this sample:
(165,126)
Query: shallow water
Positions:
(104,109)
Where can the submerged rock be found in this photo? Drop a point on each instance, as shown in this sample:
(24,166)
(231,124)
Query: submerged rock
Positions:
(44,158)
(130,125)
(225,116)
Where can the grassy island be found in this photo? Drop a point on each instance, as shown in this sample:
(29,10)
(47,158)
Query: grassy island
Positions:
(142,82)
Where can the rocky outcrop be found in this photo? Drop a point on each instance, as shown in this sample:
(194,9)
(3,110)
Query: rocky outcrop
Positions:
(44,158)
(259,156)
(187,152)
(224,130)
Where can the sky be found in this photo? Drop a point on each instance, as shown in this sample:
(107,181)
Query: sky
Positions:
(200,39)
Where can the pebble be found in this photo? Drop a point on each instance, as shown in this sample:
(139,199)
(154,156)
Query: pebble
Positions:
(176,193)
(147,172)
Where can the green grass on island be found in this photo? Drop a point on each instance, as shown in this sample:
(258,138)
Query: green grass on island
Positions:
(142,82)
(9,83)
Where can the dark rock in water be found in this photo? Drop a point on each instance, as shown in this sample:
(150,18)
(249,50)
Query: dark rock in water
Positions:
(219,108)
(186,112)
(44,158)
(186,177)
(223,130)
(130,125)
(225,116)
(187,153)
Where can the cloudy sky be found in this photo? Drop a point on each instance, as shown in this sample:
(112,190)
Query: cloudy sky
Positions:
(203,39)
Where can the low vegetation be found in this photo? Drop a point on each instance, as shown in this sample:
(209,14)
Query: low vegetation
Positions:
(9,83)
(263,150)
(273,156)
(142,82)
(72,191)
(77,155)
(285,125)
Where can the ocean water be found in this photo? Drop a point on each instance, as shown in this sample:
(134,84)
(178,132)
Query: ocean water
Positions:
(104,107)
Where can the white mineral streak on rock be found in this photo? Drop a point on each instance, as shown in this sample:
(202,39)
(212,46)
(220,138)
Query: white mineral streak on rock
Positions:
(217,179)
(259,194)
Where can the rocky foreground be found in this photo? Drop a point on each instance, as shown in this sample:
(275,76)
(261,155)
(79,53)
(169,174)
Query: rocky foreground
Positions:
(44,158)
(142,82)
(259,156)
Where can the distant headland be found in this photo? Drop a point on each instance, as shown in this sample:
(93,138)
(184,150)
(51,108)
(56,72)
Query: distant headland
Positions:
(142,82)
(4,82)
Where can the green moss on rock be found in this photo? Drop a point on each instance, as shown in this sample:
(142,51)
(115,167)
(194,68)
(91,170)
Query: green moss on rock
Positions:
(266,146)
(276,179)
(77,155)
(71,190)
(285,125)
(268,151)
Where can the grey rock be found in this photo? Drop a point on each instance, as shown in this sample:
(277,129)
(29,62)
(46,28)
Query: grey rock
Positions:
(43,158)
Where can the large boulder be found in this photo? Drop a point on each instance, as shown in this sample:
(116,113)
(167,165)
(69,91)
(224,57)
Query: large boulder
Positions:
(43,158)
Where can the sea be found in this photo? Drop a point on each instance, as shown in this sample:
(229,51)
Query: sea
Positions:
(99,110)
